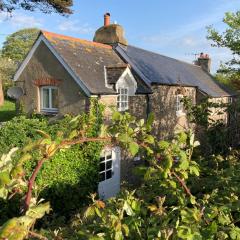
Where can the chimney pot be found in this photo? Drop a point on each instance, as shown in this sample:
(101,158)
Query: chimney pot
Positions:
(107,19)
(204,61)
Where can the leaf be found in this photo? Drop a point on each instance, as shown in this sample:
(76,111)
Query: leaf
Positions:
(124,138)
(116,116)
(149,139)
(4,178)
(24,158)
(90,212)
(182,137)
(196,144)
(192,200)
(73,134)
(3,193)
(141,122)
(125,229)
(194,170)
(133,148)
(128,209)
(44,134)
(163,145)
(150,120)
(39,211)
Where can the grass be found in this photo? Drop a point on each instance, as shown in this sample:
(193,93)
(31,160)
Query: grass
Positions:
(7,111)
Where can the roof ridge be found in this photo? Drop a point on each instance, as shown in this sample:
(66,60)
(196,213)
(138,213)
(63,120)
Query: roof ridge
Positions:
(69,38)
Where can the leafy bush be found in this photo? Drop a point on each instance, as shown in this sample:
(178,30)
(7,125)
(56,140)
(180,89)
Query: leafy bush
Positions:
(71,174)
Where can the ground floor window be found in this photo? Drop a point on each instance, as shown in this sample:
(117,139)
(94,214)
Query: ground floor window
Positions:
(106,165)
(49,99)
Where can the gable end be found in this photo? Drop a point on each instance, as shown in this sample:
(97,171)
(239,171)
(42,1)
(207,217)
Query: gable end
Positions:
(59,58)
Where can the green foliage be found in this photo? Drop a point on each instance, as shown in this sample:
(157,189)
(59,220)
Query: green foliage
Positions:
(59,6)
(182,196)
(72,173)
(230,39)
(20,131)
(18,228)
(18,44)
(7,111)
(211,132)
(7,70)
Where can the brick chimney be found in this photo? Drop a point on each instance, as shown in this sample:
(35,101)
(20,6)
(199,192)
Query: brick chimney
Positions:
(204,61)
(107,19)
(110,33)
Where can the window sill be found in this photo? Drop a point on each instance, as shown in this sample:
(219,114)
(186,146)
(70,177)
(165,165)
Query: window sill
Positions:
(122,110)
(49,112)
(180,113)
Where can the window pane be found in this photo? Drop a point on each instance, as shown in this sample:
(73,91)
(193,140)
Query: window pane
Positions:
(108,155)
(102,159)
(102,167)
(108,174)
(54,98)
(45,96)
(109,165)
(102,176)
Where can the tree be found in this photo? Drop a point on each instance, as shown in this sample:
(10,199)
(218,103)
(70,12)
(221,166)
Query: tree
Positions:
(47,6)
(1,94)
(7,69)
(19,43)
(229,39)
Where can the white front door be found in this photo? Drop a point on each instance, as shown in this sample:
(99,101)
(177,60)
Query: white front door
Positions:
(109,173)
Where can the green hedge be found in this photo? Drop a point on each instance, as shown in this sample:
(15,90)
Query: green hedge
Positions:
(68,178)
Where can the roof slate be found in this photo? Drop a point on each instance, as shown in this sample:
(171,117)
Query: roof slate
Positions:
(87,59)
(154,68)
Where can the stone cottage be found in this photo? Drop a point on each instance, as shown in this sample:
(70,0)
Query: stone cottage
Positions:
(60,74)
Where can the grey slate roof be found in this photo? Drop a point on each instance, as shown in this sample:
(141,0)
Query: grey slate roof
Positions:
(87,59)
(154,68)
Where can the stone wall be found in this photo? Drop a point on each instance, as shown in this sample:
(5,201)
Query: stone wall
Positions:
(163,106)
(138,106)
(44,65)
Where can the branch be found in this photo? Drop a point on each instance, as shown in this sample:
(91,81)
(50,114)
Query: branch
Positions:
(83,140)
(31,182)
(36,235)
(182,183)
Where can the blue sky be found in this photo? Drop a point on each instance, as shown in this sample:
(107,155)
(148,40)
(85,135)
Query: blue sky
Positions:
(176,28)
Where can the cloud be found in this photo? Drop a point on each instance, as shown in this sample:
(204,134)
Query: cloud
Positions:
(19,20)
(75,27)
(179,34)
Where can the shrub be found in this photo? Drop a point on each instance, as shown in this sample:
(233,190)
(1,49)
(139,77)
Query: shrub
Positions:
(68,178)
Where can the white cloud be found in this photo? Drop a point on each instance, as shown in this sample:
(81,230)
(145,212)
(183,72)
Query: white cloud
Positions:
(75,26)
(18,20)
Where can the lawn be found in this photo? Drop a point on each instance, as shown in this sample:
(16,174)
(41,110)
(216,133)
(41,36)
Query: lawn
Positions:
(7,111)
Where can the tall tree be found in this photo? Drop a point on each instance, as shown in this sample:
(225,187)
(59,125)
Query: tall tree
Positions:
(47,6)
(230,39)
(19,43)
(7,69)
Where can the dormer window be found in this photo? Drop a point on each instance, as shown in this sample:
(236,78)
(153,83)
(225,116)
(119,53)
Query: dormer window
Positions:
(49,99)
(122,99)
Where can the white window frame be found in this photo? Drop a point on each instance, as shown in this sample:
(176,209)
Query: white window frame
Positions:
(105,160)
(50,109)
(179,105)
(120,100)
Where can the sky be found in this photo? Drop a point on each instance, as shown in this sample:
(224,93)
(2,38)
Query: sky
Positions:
(175,28)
